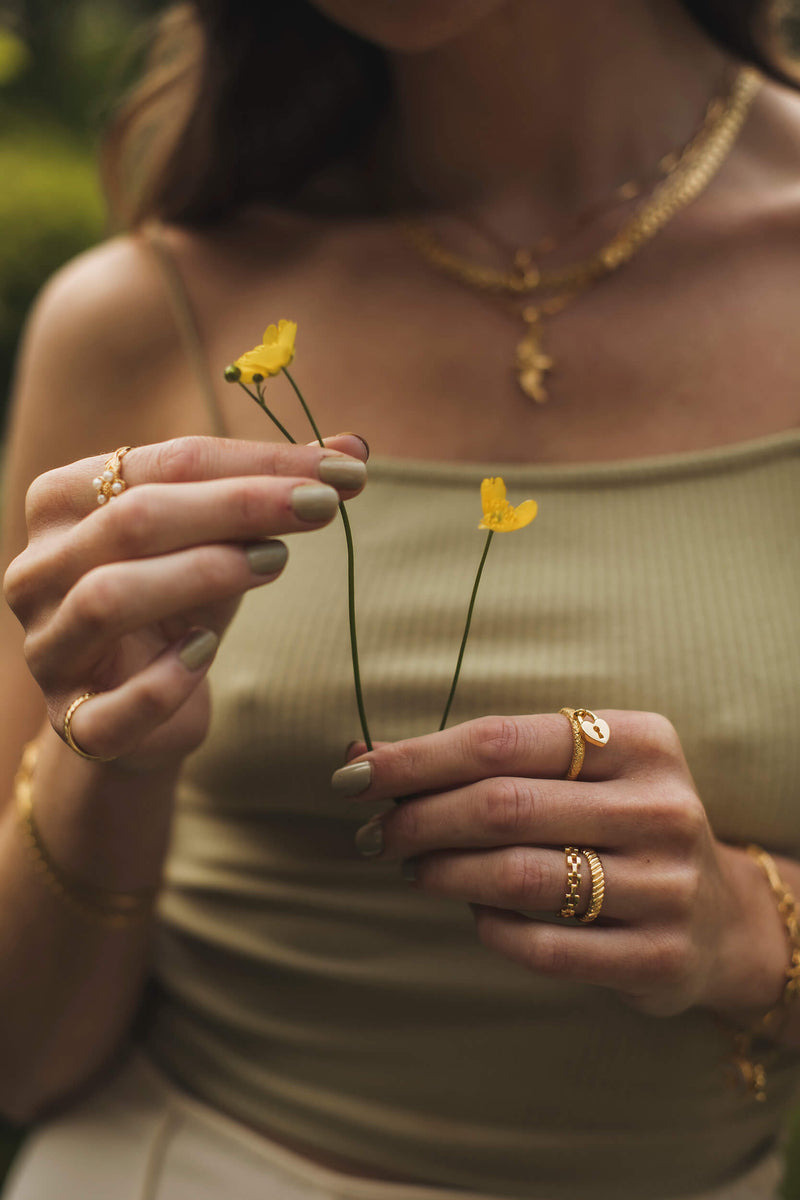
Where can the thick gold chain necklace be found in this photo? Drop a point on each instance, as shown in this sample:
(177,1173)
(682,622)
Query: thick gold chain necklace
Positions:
(698,163)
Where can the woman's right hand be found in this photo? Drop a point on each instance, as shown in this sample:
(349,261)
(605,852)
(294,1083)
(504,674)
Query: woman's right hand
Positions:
(124,599)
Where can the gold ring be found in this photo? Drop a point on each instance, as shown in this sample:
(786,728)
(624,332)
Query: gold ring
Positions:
(110,483)
(598,886)
(572,895)
(586,727)
(70,740)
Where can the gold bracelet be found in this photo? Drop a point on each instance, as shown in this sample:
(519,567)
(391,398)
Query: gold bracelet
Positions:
(115,910)
(752,1071)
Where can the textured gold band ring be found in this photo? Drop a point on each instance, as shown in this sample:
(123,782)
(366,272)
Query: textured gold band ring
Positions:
(598,886)
(110,483)
(572,896)
(586,727)
(70,740)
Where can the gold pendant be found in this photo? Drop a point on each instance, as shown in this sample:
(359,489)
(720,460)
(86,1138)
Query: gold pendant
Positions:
(533,364)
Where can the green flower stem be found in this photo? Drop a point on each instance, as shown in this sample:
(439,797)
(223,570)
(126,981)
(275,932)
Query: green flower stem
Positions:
(466,630)
(306,409)
(259,399)
(351,579)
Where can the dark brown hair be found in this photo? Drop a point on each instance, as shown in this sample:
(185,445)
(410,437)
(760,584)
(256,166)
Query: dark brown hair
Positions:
(258,102)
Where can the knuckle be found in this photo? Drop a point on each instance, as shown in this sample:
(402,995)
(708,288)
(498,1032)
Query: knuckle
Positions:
(17,583)
(654,737)
(547,954)
(92,600)
(214,575)
(677,817)
(248,504)
(525,878)
(132,521)
(683,891)
(666,962)
(151,703)
(182,459)
(494,742)
(508,808)
(44,493)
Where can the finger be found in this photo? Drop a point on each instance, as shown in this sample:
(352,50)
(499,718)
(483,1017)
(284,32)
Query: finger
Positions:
(120,598)
(159,518)
(67,493)
(624,959)
(530,879)
(537,747)
(115,723)
(514,811)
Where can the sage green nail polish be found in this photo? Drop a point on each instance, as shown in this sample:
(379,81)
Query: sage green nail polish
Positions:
(347,473)
(265,558)
(314,502)
(353,779)
(199,649)
(369,838)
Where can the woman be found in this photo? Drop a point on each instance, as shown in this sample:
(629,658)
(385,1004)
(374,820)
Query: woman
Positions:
(326,1022)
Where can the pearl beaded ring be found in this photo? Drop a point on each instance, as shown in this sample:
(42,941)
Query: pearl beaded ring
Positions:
(110,484)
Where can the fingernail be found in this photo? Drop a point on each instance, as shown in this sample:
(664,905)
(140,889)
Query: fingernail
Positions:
(346,473)
(369,838)
(265,558)
(353,779)
(199,649)
(314,502)
(363,440)
(408,869)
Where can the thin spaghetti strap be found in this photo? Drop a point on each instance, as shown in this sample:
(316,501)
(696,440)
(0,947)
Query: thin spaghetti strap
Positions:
(186,323)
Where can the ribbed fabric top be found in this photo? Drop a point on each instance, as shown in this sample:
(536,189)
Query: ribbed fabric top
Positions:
(310,991)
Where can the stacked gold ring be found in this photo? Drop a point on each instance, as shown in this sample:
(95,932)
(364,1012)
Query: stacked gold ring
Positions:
(572,895)
(598,887)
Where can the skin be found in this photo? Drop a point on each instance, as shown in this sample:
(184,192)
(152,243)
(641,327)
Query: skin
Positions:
(658,360)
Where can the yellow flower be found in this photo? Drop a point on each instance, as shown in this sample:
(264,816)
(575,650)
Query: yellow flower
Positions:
(500,516)
(275,353)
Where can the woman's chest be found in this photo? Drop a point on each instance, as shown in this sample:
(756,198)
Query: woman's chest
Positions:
(677,597)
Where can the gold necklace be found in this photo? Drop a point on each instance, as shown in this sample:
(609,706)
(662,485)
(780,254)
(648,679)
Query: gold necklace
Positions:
(698,163)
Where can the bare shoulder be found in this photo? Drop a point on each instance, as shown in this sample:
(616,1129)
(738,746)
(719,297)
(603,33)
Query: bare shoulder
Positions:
(102,320)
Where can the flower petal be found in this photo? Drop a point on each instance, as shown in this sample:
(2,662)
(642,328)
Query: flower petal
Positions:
(493,495)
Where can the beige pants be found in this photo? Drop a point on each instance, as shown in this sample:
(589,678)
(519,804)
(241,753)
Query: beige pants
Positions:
(140,1138)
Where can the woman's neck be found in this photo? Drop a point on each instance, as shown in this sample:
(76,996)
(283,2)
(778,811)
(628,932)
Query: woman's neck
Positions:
(544,107)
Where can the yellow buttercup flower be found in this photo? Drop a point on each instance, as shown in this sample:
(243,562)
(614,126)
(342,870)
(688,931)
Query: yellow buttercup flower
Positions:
(275,353)
(498,515)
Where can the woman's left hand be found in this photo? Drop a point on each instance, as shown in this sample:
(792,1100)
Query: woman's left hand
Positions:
(686,920)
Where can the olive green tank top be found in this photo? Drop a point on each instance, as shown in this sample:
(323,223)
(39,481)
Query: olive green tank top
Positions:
(309,991)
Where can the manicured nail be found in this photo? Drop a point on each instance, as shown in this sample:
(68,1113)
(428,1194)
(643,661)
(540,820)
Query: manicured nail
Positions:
(199,649)
(408,869)
(363,440)
(353,779)
(369,838)
(265,558)
(314,502)
(347,473)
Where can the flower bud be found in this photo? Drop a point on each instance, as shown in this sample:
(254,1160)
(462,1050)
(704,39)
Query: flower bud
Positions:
(232,373)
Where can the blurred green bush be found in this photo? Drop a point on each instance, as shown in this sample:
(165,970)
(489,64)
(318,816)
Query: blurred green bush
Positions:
(50,209)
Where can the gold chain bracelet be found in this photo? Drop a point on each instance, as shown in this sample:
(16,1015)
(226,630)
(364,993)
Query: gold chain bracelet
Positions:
(115,910)
(750,1067)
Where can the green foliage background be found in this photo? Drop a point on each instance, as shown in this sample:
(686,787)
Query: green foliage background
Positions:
(62,63)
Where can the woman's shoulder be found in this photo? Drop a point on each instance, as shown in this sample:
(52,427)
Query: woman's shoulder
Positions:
(107,304)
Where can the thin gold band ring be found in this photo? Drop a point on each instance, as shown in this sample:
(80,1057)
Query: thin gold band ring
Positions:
(70,740)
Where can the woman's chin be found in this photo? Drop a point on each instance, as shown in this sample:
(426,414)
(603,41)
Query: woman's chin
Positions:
(409,26)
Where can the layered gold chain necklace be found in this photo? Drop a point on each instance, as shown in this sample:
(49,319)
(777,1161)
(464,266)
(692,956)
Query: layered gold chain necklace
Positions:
(535,294)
